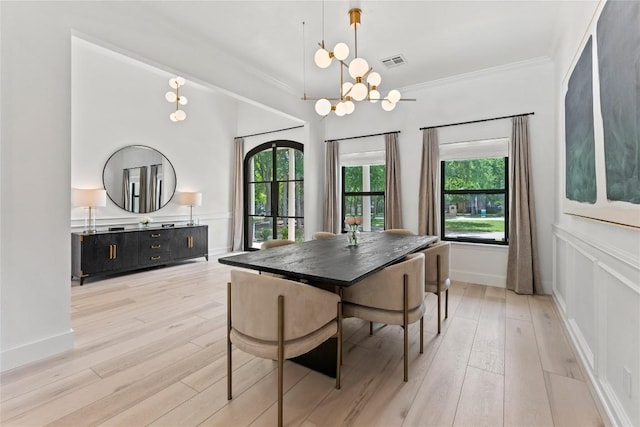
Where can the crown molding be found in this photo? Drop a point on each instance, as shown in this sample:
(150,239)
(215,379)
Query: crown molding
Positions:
(479,73)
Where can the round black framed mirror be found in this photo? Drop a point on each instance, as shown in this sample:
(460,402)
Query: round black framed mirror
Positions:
(139,179)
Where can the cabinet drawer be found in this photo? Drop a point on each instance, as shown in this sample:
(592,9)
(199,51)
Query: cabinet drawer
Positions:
(155,256)
(155,236)
(154,246)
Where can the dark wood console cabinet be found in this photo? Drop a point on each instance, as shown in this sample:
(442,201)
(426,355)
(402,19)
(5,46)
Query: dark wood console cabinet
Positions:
(108,252)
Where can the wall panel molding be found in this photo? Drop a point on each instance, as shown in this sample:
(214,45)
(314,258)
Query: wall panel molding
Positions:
(604,325)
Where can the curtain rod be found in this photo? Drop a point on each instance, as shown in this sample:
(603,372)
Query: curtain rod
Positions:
(362,136)
(271,131)
(476,121)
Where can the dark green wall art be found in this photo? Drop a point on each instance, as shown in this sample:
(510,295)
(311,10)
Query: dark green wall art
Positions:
(602,119)
(579,134)
(618,35)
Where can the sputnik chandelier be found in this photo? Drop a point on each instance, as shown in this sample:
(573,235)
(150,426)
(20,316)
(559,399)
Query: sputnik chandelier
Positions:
(366,81)
(176,83)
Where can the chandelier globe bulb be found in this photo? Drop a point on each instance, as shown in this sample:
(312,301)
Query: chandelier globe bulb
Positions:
(393,96)
(170,96)
(323,107)
(322,58)
(388,105)
(358,67)
(341,51)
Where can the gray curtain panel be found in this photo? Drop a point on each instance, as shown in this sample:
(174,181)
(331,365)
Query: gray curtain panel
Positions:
(392,200)
(153,189)
(428,218)
(331,221)
(142,199)
(237,195)
(126,190)
(523,273)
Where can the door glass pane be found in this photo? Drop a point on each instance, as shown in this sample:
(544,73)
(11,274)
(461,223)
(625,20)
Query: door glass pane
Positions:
(291,198)
(260,199)
(262,166)
(290,164)
(259,230)
(291,229)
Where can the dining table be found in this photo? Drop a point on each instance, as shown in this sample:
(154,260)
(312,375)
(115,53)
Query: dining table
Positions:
(331,264)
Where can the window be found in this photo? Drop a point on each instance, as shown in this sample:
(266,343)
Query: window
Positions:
(363,194)
(474,192)
(274,193)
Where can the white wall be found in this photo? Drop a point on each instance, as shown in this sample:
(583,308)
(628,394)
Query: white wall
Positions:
(597,269)
(520,88)
(118,101)
(36,155)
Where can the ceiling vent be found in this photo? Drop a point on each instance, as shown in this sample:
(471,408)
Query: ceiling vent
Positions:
(394,61)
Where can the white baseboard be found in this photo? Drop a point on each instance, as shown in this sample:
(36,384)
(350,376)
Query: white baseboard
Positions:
(478,278)
(36,350)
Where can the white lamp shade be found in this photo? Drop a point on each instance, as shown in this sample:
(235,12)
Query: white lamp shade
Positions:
(374,79)
(182,100)
(174,83)
(358,67)
(181,81)
(388,105)
(341,51)
(189,198)
(171,96)
(173,117)
(393,96)
(359,91)
(374,95)
(341,109)
(322,58)
(323,107)
(89,198)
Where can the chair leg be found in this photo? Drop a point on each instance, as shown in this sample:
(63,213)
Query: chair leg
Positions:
(439,281)
(439,314)
(405,324)
(280,355)
(229,370)
(370,328)
(339,355)
(446,303)
(422,335)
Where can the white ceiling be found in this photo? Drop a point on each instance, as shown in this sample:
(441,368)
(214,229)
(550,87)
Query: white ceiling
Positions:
(438,39)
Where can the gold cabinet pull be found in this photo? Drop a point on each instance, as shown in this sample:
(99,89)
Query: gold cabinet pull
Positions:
(154,258)
(110,251)
(155,235)
(155,246)
(115,251)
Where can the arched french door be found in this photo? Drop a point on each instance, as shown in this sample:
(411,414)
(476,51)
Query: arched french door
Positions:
(274,193)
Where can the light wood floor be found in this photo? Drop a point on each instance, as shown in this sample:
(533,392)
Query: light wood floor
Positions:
(150,350)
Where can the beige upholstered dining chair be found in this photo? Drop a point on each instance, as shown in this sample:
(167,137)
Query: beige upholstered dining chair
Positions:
(378,298)
(323,235)
(275,242)
(399,231)
(278,319)
(436,279)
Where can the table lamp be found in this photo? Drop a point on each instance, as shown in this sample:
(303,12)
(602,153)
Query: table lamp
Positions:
(89,199)
(190,199)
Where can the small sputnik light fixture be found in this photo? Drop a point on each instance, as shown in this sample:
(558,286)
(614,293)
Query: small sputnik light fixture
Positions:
(174,97)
